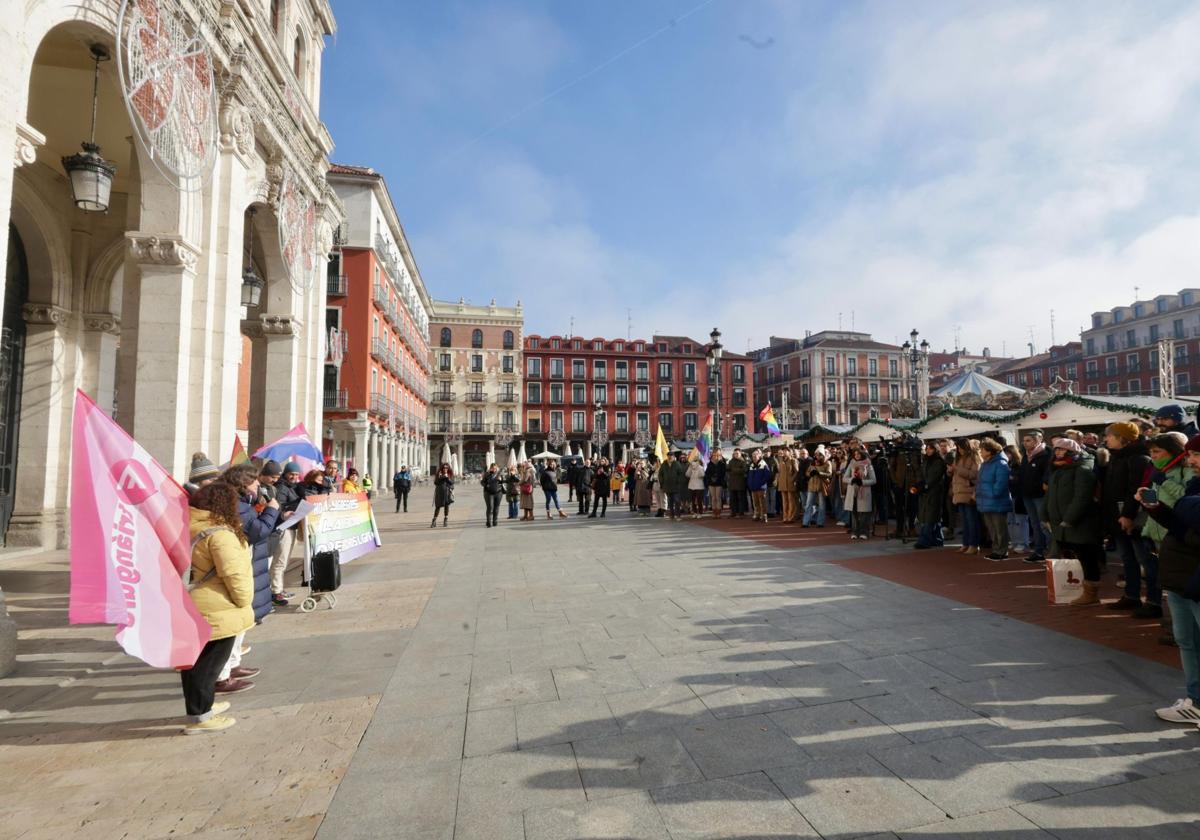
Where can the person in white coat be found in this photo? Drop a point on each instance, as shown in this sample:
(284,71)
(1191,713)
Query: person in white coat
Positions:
(695,480)
(858,478)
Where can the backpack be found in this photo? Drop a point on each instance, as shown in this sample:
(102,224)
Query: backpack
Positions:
(196,540)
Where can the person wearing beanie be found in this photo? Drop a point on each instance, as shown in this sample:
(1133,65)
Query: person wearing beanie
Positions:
(1172,418)
(1124,517)
(1073,516)
(202,473)
(1031,479)
(287,494)
(1169,478)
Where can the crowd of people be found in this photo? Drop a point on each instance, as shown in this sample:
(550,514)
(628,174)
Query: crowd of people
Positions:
(239,557)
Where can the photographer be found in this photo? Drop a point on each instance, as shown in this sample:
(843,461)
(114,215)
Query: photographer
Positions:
(493,488)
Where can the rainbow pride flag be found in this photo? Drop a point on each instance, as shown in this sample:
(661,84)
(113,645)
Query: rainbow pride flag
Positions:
(768,417)
(704,443)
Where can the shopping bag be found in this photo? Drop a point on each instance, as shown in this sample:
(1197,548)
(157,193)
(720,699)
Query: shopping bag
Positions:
(1064,580)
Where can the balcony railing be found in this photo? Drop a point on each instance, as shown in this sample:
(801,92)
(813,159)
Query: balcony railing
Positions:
(507,397)
(442,397)
(336,285)
(475,397)
(337,400)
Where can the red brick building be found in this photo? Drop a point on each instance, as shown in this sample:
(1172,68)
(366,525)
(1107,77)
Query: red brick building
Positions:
(377,321)
(626,388)
(1043,370)
(1121,349)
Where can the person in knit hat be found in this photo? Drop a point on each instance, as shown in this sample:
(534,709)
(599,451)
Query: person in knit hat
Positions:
(1074,518)
(202,473)
(1168,479)
(1129,460)
(1172,418)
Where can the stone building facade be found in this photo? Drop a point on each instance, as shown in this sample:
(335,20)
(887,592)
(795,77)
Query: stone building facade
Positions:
(475,399)
(140,306)
(1122,348)
(377,322)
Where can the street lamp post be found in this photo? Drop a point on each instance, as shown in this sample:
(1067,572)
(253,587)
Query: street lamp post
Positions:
(918,365)
(713,358)
(599,436)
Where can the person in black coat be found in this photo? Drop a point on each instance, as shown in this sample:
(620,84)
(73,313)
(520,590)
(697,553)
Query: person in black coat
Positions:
(714,480)
(401,485)
(601,488)
(1129,463)
(1032,479)
(493,488)
(1171,418)
(580,478)
(931,492)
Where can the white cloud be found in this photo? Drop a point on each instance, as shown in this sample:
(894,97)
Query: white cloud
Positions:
(1021,158)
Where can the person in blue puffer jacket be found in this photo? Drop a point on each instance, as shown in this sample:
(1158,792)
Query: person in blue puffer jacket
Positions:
(992,497)
(258,525)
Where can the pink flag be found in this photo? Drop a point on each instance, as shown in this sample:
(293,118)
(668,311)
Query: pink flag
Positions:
(130,544)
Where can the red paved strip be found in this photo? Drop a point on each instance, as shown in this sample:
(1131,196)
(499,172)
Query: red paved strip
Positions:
(1010,587)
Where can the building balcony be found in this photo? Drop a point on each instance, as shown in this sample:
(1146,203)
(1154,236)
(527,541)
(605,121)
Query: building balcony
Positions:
(336,285)
(442,397)
(475,397)
(382,406)
(337,400)
(507,397)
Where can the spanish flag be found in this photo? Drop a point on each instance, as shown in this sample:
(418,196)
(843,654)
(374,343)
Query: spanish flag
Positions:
(661,450)
(768,417)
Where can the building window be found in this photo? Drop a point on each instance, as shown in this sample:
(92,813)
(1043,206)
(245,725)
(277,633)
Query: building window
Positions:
(578,393)
(1154,380)
(555,343)
(533,344)
(1131,363)
(664,371)
(739,422)
(1093,389)
(1182,384)
(1154,332)
(600,420)
(873,392)
(476,363)
(664,420)
(664,394)
(506,364)
(619,346)
(476,338)
(622,395)
(1037,376)
(533,392)
(1135,386)
(689,372)
(599,369)
(577,345)
(691,396)
(643,371)
(853,417)
(556,420)
(894,392)
(622,421)
(1177,328)
(445,337)
(621,370)
(556,368)
(787,370)
(1113,387)
(831,417)
(804,392)
(830,366)
(298,56)
(1110,342)
(739,397)
(534,366)
(600,394)
(444,362)
(831,390)
(852,392)
(508,339)
(578,369)
(852,366)
(738,374)
(1072,371)
(578,421)
(893,369)
(690,421)
(533,424)
(643,395)
(872,367)
(1110,366)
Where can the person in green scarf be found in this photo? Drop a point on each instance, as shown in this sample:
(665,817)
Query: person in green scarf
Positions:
(1169,478)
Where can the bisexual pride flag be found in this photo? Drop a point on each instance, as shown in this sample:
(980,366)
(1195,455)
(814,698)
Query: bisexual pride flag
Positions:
(768,417)
(296,446)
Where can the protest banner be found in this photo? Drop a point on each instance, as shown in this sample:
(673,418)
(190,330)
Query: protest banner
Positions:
(342,522)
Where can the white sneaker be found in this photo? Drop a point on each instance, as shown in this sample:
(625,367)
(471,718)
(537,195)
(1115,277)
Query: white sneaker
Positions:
(1181,711)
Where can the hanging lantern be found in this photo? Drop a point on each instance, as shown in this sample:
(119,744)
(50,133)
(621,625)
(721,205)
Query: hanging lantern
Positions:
(252,284)
(91,175)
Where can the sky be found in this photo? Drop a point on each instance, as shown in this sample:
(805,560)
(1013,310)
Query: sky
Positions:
(772,167)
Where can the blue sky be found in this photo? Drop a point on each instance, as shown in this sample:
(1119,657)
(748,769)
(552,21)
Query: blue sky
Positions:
(773,166)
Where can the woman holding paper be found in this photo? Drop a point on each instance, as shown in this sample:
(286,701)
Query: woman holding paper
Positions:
(221,583)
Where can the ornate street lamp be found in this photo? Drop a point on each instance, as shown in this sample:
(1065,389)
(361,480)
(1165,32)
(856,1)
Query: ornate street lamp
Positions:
(713,359)
(91,175)
(252,284)
(918,365)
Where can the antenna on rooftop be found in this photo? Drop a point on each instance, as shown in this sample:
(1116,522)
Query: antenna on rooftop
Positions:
(839,320)
(851,320)
(1032,340)
(957,337)
(628,324)
(1051,327)
(571,334)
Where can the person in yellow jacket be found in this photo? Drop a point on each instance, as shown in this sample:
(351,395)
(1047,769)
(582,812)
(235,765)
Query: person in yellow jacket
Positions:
(350,482)
(221,581)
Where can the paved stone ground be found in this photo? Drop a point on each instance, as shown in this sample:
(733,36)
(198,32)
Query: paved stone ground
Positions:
(624,678)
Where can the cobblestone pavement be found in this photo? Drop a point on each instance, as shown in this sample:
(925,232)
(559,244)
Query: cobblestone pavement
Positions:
(616,678)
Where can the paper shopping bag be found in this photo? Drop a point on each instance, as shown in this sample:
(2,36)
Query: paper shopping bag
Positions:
(1064,580)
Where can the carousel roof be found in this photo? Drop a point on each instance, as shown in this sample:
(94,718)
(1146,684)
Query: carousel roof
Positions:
(974,382)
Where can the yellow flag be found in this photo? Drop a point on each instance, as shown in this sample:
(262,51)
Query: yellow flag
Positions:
(661,450)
